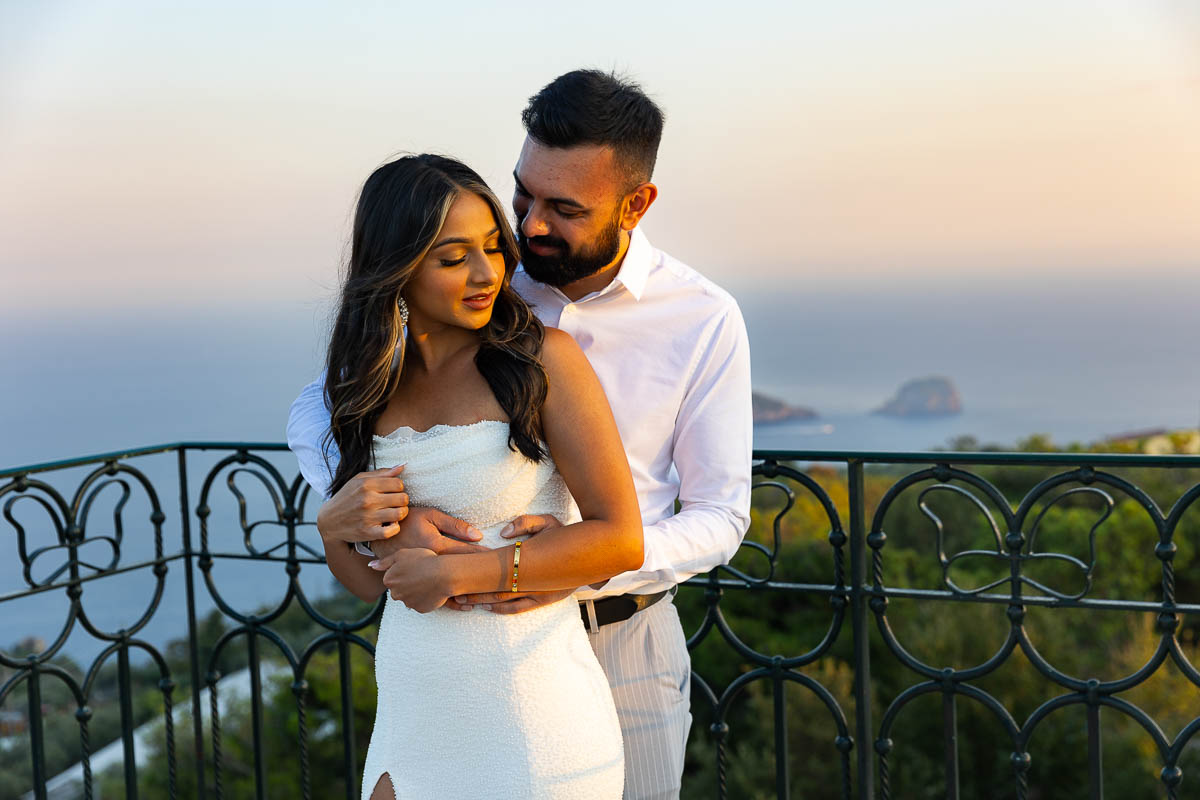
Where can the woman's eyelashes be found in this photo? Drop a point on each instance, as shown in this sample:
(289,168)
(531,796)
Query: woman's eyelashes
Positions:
(454,262)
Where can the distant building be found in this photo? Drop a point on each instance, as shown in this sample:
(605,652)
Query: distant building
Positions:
(12,723)
(1160,441)
(31,644)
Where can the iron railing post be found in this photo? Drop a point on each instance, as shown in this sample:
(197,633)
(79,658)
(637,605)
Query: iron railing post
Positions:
(863,729)
(37,752)
(193,645)
(1095,751)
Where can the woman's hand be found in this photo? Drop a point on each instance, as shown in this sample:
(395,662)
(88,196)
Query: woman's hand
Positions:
(414,576)
(369,507)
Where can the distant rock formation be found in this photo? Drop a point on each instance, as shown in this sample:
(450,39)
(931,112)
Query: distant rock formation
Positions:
(924,397)
(770,409)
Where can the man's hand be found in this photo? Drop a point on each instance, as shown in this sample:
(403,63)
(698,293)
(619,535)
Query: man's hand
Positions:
(507,602)
(369,507)
(514,602)
(430,529)
(530,524)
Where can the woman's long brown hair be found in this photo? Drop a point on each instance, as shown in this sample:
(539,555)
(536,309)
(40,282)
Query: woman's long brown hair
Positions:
(400,212)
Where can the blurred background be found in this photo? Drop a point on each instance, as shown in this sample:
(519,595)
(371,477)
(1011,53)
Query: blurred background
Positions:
(998,201)
(1005,195)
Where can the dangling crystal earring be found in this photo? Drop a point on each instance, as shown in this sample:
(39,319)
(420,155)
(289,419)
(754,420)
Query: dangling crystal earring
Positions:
(398,353)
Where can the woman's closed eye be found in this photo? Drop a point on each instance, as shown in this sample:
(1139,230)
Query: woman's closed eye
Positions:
(454,262)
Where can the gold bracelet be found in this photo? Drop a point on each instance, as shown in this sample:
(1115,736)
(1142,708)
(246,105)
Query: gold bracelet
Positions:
(516,563)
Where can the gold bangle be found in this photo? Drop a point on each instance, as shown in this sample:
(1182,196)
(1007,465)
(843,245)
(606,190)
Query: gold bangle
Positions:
(516,564)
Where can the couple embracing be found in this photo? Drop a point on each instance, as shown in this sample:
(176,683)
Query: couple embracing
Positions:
(504,426)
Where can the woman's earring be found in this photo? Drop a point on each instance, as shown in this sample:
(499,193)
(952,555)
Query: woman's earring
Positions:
(398,353)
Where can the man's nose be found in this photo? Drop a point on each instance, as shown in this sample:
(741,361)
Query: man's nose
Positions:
(534,222)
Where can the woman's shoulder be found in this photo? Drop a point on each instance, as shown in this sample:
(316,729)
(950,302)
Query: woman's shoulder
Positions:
(561,352)
(569,374)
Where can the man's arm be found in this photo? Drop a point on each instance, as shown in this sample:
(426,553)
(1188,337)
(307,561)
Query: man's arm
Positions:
(308,422)
(712,448)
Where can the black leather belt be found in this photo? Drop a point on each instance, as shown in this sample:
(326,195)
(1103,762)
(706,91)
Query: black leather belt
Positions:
(618,608)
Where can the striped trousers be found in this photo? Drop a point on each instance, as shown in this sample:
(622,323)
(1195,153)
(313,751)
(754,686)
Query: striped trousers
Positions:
(646,661)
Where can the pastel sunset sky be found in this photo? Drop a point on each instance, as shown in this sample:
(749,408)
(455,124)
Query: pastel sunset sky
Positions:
(198,153)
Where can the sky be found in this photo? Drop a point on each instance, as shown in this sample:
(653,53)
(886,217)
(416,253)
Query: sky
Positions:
(891,190)
(200,153)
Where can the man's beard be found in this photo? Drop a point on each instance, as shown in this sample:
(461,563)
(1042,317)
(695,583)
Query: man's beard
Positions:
(564,266)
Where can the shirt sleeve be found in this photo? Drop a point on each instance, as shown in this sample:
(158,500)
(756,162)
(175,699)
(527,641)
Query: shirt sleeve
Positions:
(308,424)
(712,449)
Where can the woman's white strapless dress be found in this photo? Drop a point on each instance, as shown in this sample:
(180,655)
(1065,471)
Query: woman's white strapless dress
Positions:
(481,705)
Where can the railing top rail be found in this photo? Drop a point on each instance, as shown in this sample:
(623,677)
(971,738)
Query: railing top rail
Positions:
(997,458)
(117,455)
(844,456)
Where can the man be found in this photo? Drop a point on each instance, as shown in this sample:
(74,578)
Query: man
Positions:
(671,351)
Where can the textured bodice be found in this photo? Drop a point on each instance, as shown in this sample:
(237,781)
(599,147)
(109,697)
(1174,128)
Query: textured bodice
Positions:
(470,472)
(452,677)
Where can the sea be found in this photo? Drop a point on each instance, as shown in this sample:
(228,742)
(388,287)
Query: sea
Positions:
(1076,360)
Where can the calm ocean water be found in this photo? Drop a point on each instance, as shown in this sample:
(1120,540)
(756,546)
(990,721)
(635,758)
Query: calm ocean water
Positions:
(1075,361)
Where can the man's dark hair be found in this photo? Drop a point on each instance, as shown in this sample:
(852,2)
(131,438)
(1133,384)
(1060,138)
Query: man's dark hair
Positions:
(592,107)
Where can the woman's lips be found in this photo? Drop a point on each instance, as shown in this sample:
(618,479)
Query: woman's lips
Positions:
(479,301)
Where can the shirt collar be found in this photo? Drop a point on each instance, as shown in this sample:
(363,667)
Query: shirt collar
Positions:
(635,268)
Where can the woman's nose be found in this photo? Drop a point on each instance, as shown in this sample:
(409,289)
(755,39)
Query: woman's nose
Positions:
(485,272)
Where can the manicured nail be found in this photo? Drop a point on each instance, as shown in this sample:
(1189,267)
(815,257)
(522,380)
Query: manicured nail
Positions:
(474,532)
(508,529)
(485,606)
(464,608)
(373,564)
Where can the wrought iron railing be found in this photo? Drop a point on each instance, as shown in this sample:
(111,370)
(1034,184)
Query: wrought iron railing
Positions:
(793,686)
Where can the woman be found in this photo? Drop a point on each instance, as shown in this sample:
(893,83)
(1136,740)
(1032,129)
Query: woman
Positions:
(443,368)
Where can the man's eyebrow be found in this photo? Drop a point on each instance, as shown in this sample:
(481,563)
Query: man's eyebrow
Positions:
(463,239)
(561,201)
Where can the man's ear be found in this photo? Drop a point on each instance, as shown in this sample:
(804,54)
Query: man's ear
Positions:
(636,204)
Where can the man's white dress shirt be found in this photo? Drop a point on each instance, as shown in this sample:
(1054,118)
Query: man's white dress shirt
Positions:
(671,351)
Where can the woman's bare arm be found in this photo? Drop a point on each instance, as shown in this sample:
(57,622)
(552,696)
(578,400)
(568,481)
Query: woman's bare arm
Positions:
(352,571)
(586,447)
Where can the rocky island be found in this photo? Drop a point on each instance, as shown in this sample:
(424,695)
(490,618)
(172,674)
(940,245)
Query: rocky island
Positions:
(924,397)
(770,409)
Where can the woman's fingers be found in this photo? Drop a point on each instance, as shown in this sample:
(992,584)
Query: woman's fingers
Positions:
(388,516)
(391,490)
(387,531)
